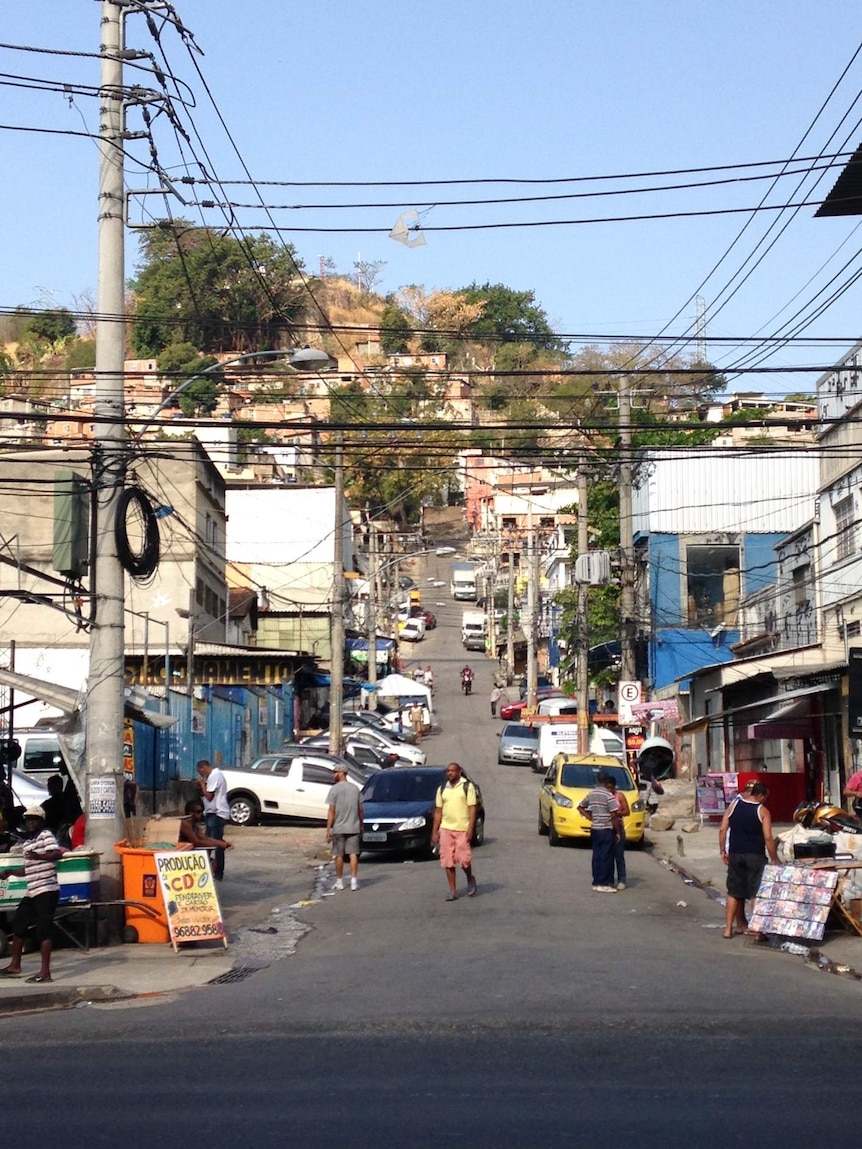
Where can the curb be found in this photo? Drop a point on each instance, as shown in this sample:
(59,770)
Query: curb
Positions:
(44,1001)
(813,956)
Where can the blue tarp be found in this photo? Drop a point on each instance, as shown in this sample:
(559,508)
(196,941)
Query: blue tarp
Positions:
(362,644)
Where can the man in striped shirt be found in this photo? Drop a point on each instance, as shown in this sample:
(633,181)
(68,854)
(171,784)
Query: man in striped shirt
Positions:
(41,854)
(603,811)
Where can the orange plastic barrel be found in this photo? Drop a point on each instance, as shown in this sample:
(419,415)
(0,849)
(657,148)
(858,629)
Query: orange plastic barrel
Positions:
(141,885)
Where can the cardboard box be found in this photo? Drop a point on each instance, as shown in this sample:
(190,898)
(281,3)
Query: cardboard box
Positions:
(144,830)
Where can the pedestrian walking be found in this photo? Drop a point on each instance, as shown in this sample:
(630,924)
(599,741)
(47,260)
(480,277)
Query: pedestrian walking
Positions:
(344,826)
(213,786)
(428,678)
(453,826)
(41,853)
(496,695)
(603,812)
(620,843)
(744,840)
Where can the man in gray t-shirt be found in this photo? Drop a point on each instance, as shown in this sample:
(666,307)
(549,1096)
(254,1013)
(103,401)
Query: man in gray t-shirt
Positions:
(344,827)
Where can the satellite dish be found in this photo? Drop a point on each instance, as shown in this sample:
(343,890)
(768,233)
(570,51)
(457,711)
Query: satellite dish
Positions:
(406,230)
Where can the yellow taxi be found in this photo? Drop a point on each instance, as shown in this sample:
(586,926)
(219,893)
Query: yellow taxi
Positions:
(568,780)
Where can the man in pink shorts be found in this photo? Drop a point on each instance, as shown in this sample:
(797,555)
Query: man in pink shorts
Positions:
(454,823)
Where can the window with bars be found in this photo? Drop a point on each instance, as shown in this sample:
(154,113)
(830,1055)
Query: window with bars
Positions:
(845,529)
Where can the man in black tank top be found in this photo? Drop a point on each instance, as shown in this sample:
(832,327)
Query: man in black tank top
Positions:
(744,839)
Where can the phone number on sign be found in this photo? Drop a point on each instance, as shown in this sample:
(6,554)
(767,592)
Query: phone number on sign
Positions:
(209,929)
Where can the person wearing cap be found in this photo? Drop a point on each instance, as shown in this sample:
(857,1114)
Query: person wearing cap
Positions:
(344,826)
(41,853)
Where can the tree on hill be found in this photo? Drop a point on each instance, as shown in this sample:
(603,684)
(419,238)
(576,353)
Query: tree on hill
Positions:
(220,293)
(182,361)
(395,331)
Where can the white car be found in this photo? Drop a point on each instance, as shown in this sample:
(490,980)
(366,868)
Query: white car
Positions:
(288,786)
(413,630)
(411,754)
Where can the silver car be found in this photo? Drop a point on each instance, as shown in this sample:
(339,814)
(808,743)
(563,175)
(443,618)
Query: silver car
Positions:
(518,743)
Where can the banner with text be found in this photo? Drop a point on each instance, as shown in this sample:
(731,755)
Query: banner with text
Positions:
(190,897)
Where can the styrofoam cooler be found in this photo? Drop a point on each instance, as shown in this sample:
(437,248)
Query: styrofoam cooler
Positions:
(77,873)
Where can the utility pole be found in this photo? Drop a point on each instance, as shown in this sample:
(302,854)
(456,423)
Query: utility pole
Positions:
(336,633)
(627,571)
(105,684)
(583,630)
(532,620)
(510,616)
(372,603)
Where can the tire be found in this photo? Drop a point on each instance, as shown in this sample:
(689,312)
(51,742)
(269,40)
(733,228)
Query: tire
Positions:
(554,838)
(543,829)
(244,809)
(130,935)
(4,942)
(638,845)
(478,833)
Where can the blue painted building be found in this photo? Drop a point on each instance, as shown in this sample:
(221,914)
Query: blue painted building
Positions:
(706,525)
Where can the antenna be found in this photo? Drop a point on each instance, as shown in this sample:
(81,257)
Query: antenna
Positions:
(700,328)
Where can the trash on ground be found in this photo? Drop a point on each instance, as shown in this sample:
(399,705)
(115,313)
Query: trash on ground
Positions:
(684,905)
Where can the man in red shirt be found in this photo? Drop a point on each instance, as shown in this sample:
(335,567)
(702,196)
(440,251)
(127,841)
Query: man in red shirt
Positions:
(853,790)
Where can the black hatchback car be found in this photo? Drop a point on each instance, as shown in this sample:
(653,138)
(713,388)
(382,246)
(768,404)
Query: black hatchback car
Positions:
(398,809)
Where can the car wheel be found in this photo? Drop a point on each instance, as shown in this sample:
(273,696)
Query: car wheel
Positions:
(636,845)
(244,809)
(554,838)
(543,829)
(478,832)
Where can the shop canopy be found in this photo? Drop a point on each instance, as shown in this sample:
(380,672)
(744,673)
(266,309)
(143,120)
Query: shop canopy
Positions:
(400,686)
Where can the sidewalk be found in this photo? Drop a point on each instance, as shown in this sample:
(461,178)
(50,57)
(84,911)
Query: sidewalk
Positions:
(695,857)
(269,869)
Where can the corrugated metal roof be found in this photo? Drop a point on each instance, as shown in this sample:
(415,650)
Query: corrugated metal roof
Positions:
(719,489)
(846,195)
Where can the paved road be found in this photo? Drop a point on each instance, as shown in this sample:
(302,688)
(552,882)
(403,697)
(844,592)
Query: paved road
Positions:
(538,1013)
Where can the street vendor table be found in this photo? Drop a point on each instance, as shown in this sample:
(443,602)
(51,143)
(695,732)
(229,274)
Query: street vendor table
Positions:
(836,905)
(78,875)
(795,899)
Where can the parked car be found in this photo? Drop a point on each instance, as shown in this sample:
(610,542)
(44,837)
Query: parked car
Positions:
(413,630)
(569,779)
(289,785)
(385,742)
(399,810)
(389,723)
(40,755)
(518,743)
(542,682)
(511,711)
(427,617)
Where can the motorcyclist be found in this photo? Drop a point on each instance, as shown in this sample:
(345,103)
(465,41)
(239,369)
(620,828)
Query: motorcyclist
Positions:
(467,674)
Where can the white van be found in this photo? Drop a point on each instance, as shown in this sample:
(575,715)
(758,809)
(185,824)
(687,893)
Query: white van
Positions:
(562,738)
(557,707)
(40,754)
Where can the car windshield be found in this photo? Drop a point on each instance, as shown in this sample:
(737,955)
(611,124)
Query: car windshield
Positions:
(528,733)
(577,776)
(409,786)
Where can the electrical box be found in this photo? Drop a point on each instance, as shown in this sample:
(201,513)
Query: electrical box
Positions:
(71,524)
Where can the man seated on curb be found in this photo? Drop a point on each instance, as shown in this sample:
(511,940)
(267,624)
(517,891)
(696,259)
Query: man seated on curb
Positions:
(41,854)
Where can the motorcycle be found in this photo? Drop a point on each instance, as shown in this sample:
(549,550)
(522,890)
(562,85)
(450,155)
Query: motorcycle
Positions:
(467,683)
(824,816)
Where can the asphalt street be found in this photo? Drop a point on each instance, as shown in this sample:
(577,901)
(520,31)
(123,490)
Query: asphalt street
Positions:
(537,1013)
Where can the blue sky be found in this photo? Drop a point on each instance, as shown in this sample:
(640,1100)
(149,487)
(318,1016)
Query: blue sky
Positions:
(468,90)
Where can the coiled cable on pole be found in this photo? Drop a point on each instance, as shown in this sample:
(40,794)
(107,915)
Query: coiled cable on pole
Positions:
(142,563)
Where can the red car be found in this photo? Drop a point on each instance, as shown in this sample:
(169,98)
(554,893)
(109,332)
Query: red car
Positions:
(429,619)
(511,711)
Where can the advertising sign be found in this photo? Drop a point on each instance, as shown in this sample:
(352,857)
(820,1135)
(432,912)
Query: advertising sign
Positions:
(102,798)
(190,897)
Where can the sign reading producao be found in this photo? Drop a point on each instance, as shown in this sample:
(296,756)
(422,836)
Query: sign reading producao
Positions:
(190,897)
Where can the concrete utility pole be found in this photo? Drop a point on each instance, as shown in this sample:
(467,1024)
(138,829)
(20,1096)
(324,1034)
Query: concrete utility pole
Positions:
(372,603)
(510,616)
(583,626)
(627,566)
(336,633)
(532,611)
(105,684)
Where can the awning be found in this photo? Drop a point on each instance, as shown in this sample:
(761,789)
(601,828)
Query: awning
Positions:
(782,701)
(66,699)
(788,721)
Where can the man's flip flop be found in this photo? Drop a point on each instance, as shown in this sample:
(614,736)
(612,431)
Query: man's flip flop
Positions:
(37,979)
(10,973)
(471,888)
(451,897)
